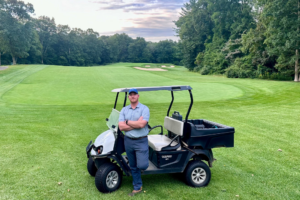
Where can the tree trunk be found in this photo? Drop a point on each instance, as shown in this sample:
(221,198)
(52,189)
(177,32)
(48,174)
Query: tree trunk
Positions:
(296,79)
(69,56)
(297,67)
(42,59)
(0,58)
(14,60)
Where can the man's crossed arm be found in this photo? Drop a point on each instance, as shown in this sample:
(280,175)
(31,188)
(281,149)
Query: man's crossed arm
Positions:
(140,123)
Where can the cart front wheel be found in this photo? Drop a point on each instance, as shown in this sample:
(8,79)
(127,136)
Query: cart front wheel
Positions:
(108,178)
(197,174)
(91,167)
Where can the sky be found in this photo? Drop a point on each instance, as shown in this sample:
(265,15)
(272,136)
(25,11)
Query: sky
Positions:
(151,19)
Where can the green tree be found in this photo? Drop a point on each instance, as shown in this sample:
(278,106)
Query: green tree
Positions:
(16,27)
(165,51)
(282,20)
(40,40)
(107,55)
(231,18)
(206,25)
(92,48)
(62,45)
(119,47)
(46,28)
(148,53)
(194,27)
(75,54)
(3,44)
(3,41)
(136,49)
(34,53)
(253,43)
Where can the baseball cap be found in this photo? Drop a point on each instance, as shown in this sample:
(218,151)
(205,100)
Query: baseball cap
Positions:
(133,90)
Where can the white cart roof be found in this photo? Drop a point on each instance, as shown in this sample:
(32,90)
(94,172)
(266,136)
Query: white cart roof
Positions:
(147,89)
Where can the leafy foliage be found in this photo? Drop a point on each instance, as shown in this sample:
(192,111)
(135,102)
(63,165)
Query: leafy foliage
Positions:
(241,38)
(282,33)
(237,38)
(16,28)
(39,40)
(206,25)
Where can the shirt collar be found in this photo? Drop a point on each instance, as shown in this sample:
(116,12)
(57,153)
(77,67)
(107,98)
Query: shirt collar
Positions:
(139,105)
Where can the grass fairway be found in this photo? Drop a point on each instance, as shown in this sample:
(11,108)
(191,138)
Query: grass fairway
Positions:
(48,114)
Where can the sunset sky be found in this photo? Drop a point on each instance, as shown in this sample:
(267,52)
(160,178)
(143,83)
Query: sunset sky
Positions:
(150,19)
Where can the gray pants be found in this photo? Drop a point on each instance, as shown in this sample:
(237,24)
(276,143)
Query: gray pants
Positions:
(138,156)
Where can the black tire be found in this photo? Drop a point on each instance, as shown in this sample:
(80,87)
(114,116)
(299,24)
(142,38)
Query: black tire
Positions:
(197,174)
(91,167)
(108,171)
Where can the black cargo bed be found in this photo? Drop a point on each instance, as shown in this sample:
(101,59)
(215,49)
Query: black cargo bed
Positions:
(207,134)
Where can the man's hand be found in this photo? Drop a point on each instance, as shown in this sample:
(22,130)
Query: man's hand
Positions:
(124,127)
(140,123)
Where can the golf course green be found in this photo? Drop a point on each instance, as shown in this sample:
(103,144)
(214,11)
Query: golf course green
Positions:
(48,115)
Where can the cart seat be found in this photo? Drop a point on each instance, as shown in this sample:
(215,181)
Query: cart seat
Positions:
(157,142)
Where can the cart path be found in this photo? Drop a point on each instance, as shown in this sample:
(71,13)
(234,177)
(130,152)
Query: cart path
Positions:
(10,80)
(3,68)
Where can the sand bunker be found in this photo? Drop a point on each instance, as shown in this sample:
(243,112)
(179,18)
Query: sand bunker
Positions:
(147,66)
(152,69)
(166,66)
(3,68)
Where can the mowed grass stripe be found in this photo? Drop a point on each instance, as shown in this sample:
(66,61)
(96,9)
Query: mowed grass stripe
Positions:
(42,145)
(78,86)
(10,80)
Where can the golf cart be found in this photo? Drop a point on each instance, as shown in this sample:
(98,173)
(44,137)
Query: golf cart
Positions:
(183,149)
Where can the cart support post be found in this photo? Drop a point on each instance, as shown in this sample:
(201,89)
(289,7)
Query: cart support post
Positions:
(116,100)
(189,110)
(171,103)
(125,99)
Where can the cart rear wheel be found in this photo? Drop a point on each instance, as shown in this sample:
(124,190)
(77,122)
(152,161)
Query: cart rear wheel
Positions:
(91,167)
(197,174)
(108,178)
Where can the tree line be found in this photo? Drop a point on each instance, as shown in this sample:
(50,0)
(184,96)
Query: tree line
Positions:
(237,38)
(241,38)
(27,40)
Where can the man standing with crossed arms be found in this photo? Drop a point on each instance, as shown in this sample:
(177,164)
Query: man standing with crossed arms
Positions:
(134,120)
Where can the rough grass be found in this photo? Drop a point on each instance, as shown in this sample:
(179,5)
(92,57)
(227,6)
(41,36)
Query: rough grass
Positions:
(48,114)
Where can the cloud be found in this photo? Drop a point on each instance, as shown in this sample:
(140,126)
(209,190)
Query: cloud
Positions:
(150,34)
(154,21)
(152,28)
(141,5)
(149,18)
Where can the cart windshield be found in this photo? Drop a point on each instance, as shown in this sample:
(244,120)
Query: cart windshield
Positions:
(113,120)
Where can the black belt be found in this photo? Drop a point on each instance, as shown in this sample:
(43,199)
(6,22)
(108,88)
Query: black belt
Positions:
(136,138)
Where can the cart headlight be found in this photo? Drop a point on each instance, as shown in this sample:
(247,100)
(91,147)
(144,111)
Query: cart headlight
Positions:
(100,149)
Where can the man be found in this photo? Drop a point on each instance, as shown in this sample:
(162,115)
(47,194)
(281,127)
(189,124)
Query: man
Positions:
(134,120)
